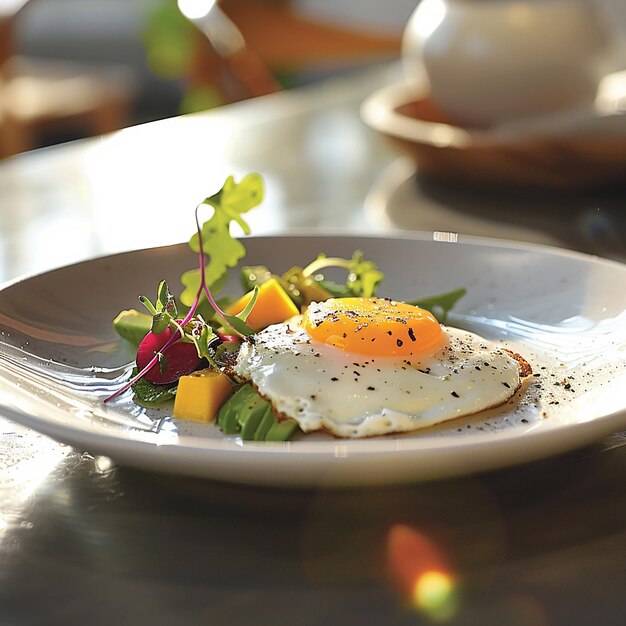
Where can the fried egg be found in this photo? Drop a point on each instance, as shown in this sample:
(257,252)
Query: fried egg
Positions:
(359,367)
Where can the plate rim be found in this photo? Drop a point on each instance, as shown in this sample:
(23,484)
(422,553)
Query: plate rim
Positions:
(396,233)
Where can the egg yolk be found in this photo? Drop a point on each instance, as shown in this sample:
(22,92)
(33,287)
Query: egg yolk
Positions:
(374,326)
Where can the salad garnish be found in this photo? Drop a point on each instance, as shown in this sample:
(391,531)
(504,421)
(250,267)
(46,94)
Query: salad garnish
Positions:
(228,204)
(196,339)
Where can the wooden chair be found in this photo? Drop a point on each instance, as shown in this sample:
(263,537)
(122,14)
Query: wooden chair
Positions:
(39,96)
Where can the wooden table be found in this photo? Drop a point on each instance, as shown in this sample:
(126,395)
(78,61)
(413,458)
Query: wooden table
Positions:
(83,540)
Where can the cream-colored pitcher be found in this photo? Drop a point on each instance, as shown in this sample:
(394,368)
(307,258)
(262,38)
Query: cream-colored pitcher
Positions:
(490,61)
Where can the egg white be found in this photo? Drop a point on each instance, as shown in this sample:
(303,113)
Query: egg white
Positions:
(355,395)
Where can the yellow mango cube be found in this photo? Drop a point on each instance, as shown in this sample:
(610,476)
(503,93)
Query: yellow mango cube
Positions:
(201,394)
(273,305)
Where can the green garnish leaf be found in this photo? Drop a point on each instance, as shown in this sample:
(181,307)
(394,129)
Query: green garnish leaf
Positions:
(203,342)
(160,322)
(243,315)
(225,349)
(146,302)
(238,322)
(201,334)
(239,325)
(364,276)
(441,304)
(164,311)
(148,394)
(166,301)
(334,290)
(223,250)
(252,275)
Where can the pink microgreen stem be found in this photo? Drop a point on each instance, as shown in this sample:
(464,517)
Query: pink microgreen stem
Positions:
(203,286)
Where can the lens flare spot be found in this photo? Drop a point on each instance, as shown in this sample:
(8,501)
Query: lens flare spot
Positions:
(420,569)
(434,594)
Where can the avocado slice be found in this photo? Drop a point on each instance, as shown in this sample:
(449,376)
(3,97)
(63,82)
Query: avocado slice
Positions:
(251,419)
(236,409)
(246,412)
(267,421)
(281,431)
(132,325)
(224,415)
(227,415)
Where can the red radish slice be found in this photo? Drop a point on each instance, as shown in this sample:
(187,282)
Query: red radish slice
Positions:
(180,358)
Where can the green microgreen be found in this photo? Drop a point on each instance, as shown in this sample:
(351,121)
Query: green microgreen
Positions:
(221,249)
(363,275)
(164,311)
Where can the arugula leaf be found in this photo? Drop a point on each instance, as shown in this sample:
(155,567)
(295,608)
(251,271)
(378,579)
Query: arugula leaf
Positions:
(440,305)
(148,394)
(223,250)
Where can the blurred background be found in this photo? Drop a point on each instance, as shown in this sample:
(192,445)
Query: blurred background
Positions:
(82,67)
(75,68)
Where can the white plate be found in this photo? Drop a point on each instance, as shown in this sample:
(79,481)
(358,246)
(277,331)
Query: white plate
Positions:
(563,311)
